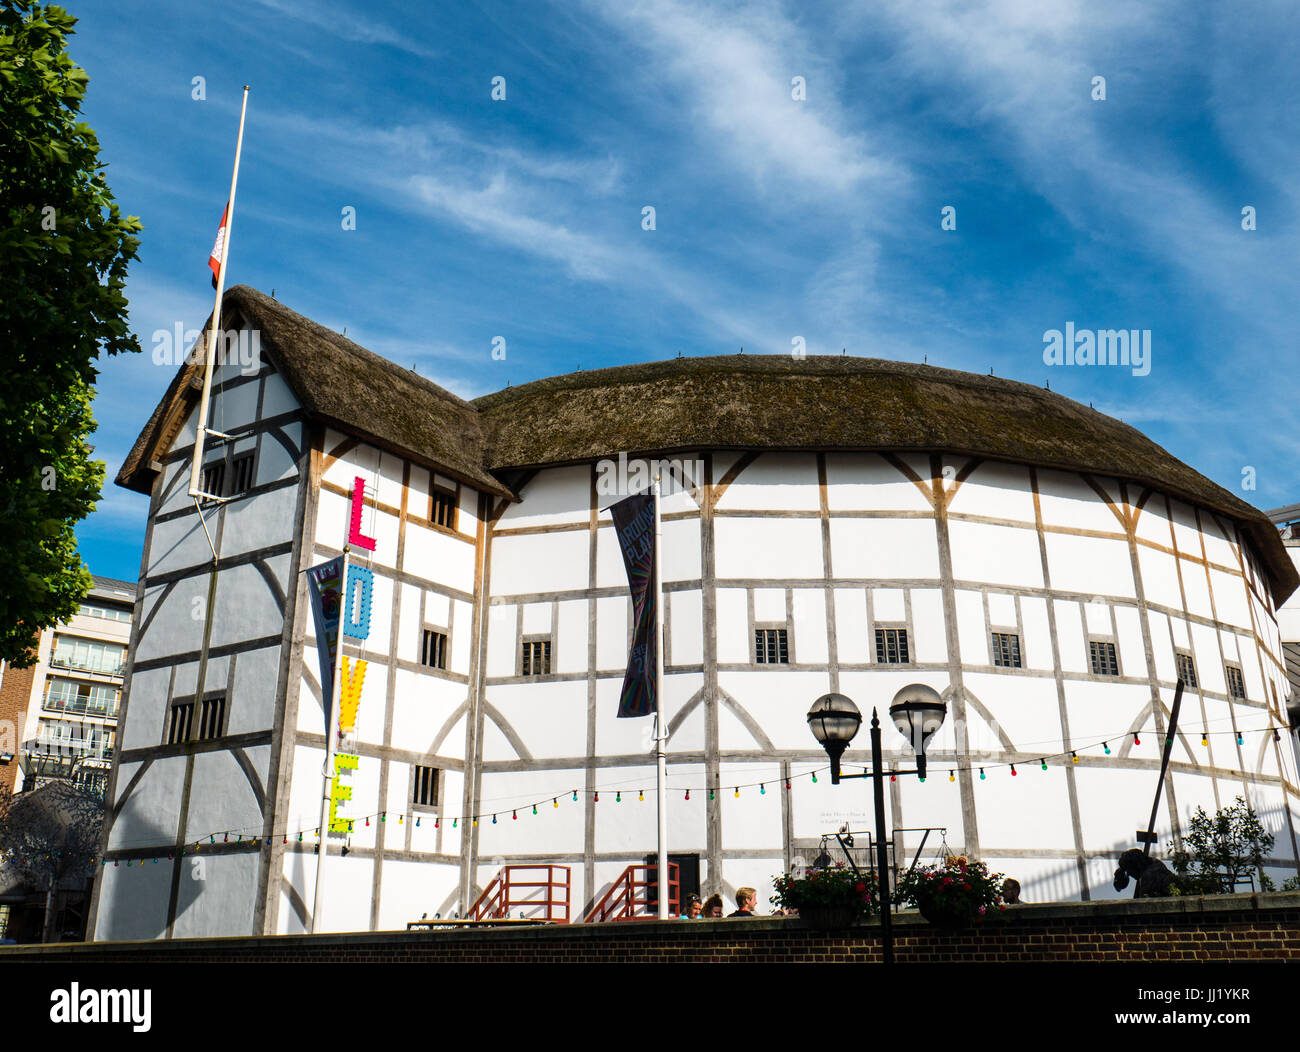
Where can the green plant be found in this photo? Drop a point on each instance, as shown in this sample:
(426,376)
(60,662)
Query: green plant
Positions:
(835,886)
(64,250)
(955,891)
(1217,851)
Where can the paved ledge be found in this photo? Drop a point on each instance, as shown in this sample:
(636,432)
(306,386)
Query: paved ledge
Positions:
(1244,926)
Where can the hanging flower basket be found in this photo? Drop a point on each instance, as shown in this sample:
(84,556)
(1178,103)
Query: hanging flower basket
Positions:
(957,894)
(829,899)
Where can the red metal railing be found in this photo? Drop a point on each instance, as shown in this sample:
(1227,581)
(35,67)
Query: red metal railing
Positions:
(540,891)
(628,897)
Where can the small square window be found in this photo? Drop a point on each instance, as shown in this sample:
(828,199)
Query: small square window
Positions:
(1006,650)
(537,657)
(1102,659)
(891,646)
(771,646)
(241,475)
(212,718)
(214,478)
(1236,685)
(424,790)
(434,652)
(1186,669)
(178,722)
(442,507)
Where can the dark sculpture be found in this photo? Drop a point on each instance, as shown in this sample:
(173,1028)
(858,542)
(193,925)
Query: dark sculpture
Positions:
(1153,877)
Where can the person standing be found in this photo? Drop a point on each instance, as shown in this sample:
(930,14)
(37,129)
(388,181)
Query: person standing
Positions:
(746,900)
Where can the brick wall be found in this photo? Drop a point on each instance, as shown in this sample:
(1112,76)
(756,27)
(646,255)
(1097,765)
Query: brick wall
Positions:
(1227,927)
(15,694)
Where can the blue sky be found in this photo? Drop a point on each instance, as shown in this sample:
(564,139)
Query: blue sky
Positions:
(776,218)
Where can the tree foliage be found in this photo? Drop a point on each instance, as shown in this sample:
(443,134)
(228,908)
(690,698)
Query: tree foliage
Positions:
(50,836)
(64,250)
(1219,850)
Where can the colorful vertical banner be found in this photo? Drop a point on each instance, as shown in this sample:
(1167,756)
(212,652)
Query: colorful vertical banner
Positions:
(325,585)
(634,522)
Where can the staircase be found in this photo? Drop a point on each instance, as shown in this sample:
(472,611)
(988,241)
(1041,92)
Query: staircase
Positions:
(628,898)
(535,892)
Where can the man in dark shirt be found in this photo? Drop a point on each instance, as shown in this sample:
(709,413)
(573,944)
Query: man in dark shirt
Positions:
(746,900)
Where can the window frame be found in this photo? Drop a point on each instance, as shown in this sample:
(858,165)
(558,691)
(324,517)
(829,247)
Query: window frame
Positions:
(1016,651)
(452,499)
(415,805)
(782,642)
(903,645)
(1194,682)
(1228,669)
(547,641)
(428,630)
(1101,641)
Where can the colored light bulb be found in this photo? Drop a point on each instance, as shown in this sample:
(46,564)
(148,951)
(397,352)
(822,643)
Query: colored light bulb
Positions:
(618,798)
(1136,739)
(534,809)
(367,820)
(688,794)
(737,792)
(1240,739)
(1074,757)
(981,774)
(952,776)
(641,795)
(417,822)
(787,783)
(762,789)
(1013,770)
(814,777)
(1205,739)
(893,777)
(300,836)
(453,822)
(494,819)
(514,816)
(1106,748)
(575,796)
(555,801)
(596,798)
(710,794)
(1044,763)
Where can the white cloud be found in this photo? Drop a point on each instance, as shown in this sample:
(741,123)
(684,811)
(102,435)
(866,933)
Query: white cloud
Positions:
(732,68)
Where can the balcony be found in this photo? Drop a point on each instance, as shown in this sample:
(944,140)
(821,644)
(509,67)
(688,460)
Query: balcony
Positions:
(102,669)
(58,755)
(78,706)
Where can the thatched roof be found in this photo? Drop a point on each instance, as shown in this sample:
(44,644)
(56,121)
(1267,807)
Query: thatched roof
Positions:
(747,401)
(740,402)
(338,382)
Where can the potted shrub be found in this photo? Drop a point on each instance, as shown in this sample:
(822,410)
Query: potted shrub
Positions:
(834,897)
(954,894)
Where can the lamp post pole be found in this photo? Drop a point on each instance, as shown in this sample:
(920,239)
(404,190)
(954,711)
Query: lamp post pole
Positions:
(882,857)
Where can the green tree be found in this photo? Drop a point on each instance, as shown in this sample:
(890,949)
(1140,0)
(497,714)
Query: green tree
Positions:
(1217,851)
(64,250)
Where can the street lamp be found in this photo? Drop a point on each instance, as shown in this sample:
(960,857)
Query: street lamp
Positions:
(918,711)
(834,720)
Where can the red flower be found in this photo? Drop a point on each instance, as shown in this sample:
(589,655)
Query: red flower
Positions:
(966,886)
(947,881)
(859,886)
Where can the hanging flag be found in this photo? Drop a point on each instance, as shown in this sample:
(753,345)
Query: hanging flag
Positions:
(218,247)
(634,522)
(325,585)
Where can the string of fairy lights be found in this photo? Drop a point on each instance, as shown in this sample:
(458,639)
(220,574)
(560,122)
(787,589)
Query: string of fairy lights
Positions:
(538,807)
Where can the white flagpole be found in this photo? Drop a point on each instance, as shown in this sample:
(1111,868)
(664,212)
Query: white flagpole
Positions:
(196,464)
(331,750)
(661,762)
